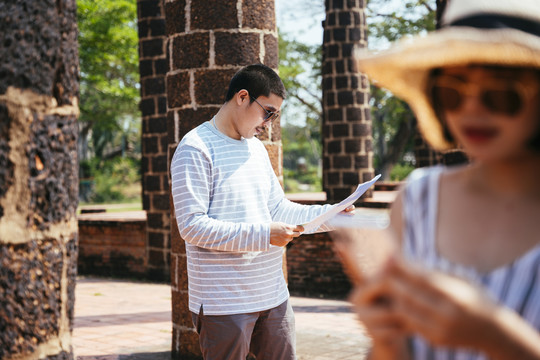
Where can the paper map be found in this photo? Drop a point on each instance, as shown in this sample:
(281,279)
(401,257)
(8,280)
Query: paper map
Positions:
(337,208)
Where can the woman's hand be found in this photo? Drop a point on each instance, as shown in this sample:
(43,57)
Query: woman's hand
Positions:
(376,312)
(445,310)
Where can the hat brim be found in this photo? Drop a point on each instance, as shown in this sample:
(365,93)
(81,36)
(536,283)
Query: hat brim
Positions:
(404,68)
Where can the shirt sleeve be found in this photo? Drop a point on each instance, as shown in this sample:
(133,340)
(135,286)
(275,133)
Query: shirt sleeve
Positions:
(284,210)
(191,188)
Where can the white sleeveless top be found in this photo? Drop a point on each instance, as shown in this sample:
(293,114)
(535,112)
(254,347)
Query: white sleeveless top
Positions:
(515,285)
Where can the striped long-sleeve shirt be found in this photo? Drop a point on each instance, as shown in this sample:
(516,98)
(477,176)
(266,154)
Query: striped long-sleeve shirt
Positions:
(516,285)
(225,195)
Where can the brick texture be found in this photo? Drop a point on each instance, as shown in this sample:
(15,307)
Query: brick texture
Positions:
(112,248)
(314,270)
(153,258)
(347,139)
(209,42)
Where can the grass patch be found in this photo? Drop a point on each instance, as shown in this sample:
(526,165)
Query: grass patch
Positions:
(112,207)
(128,207)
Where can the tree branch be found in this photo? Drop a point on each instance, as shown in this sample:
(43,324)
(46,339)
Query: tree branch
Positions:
(310,106)
(426,5)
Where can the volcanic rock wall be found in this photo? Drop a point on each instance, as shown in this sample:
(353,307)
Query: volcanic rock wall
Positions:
(38,177)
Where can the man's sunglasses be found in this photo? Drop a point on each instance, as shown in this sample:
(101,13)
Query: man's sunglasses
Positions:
(506,98)
(270,115)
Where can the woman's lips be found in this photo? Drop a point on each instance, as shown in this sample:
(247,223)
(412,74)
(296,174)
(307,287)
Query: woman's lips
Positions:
(480,135)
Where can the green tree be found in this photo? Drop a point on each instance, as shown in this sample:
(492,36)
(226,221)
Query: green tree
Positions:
(394,124)
(109,83)
(389,20)
(110,121)
(299,67)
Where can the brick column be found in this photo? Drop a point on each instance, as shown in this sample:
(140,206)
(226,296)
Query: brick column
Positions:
(425,155)
(208,42)
(38,178)
(153,67)
(347,134)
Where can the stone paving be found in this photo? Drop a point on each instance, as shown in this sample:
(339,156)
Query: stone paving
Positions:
(121,320)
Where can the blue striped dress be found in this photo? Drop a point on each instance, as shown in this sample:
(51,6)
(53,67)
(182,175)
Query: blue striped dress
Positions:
(515,285)
(225,195)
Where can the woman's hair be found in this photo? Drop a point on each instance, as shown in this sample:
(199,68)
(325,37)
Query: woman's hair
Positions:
(258,80)
(533,144)
(535,141)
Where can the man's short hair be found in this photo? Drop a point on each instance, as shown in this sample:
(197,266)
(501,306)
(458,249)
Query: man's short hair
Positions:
(258,80)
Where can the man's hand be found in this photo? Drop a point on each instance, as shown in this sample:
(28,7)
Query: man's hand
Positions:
(349,210)
(281,234)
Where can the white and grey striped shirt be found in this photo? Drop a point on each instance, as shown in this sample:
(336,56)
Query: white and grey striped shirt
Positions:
(516,285)
(225,195)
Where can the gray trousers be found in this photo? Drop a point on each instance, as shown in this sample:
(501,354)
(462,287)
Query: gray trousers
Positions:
(269,334)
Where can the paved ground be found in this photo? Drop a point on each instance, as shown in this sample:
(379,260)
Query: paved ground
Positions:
(121,320)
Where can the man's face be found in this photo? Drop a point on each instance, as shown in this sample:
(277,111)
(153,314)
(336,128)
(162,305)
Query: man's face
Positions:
(255,115)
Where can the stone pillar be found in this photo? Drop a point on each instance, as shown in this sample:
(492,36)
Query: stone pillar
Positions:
(153,67)
(208,42)
(38,178)
(423,153)
(347,133)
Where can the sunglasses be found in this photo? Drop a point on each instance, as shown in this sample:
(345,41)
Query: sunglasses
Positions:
(270,115)
(499,97)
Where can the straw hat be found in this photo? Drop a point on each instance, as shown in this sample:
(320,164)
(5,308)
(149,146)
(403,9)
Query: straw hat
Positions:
(497,32)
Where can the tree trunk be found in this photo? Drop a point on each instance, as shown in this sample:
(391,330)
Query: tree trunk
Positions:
(397,145)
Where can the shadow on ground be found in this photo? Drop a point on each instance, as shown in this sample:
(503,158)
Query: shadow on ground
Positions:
(164,355)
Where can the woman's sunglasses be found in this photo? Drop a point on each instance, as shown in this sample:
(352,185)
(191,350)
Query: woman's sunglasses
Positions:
(270,115)
(499,97)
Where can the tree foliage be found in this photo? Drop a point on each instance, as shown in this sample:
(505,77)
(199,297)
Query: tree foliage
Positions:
(109,82)
(394,124)
(389,21)
(299,68)
(109,122)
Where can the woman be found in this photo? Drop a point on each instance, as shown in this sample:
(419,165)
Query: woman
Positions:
(468,283)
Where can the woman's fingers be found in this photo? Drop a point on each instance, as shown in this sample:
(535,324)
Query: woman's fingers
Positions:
(349,262)
(445,309)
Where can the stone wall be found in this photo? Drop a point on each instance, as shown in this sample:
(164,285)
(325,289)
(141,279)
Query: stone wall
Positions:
(313,268)
(38,178)
(114,245)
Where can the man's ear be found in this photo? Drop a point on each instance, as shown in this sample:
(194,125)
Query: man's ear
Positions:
(242,96)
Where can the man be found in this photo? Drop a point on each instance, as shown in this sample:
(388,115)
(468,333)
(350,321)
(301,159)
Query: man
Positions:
(233,215)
